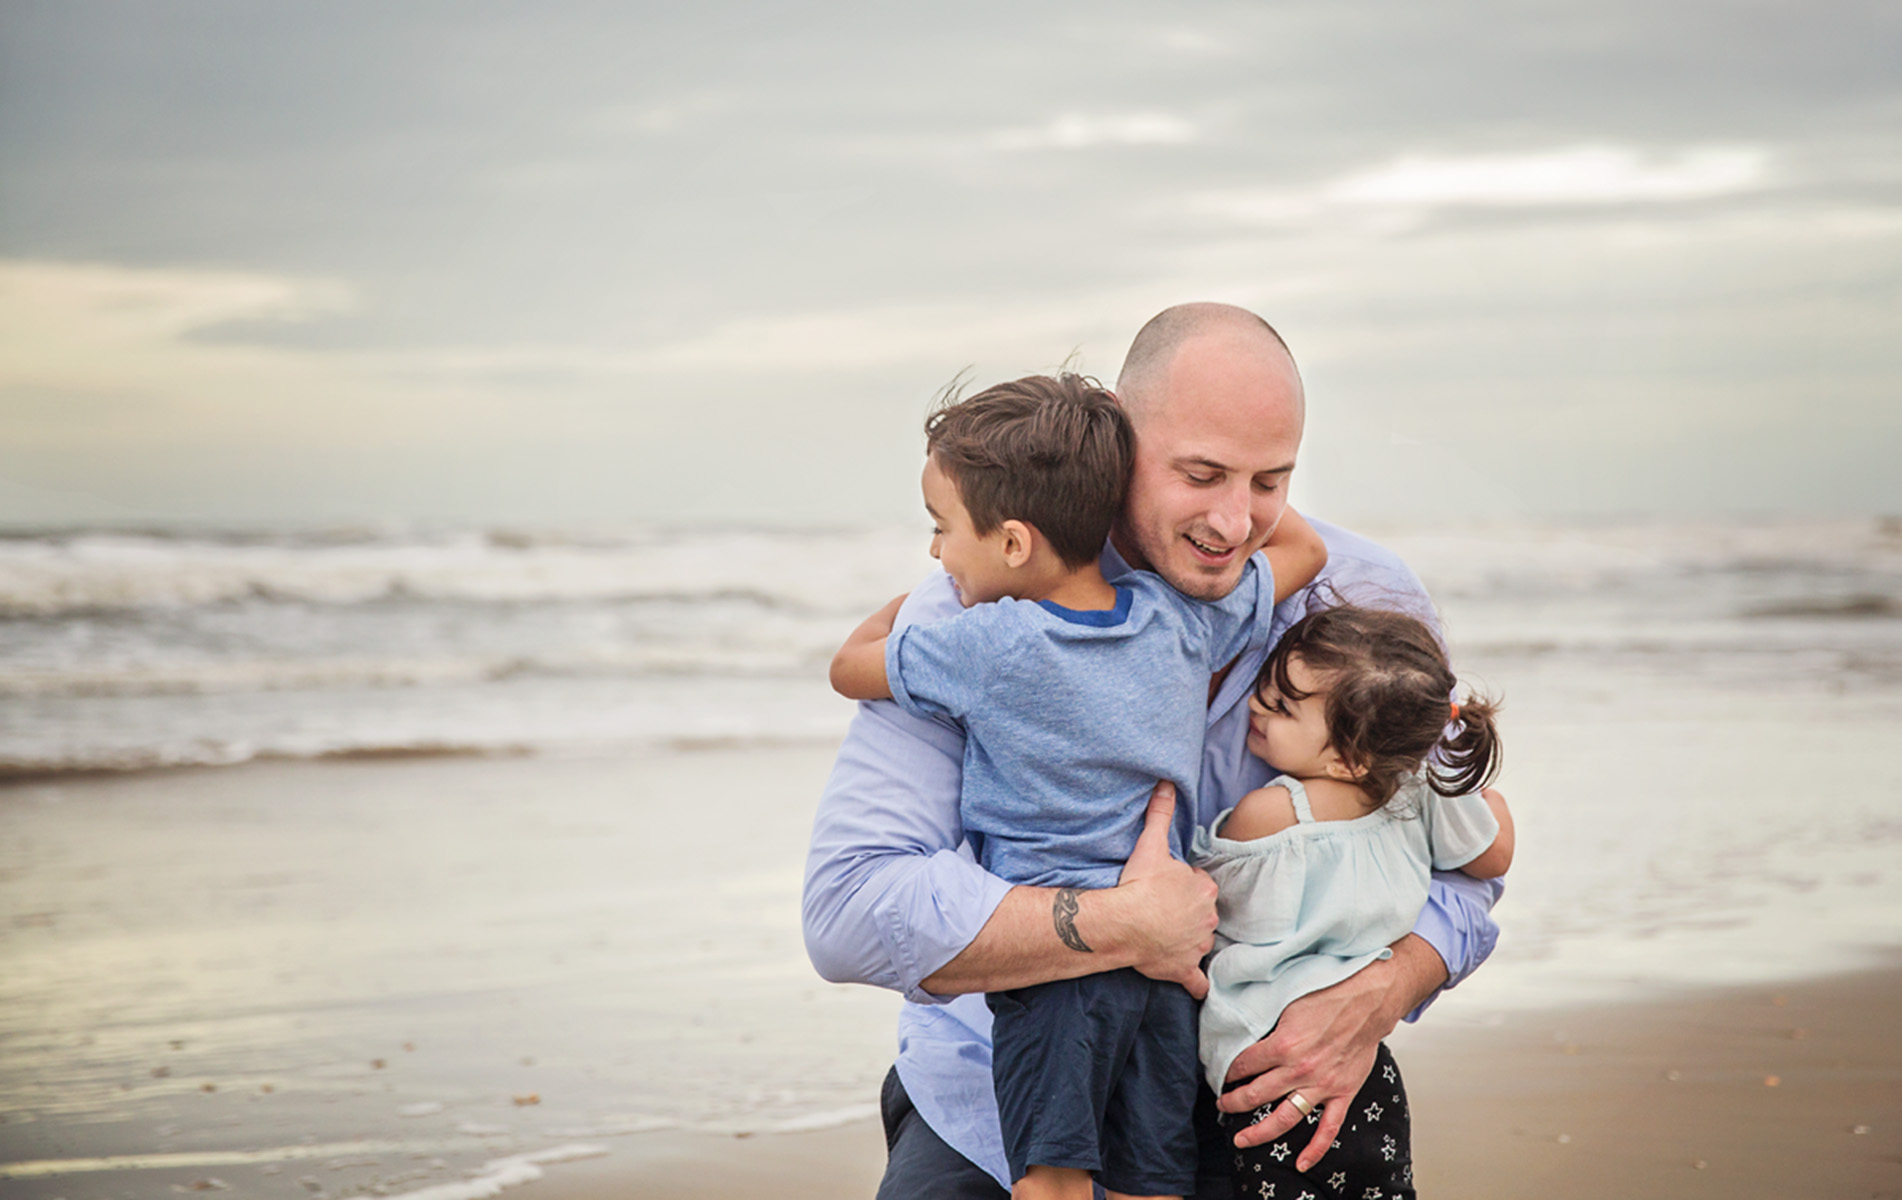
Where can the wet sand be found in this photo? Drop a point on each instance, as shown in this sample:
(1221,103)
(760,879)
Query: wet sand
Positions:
(378,976)
(1778,1092)
(462,960)
(1791,1090)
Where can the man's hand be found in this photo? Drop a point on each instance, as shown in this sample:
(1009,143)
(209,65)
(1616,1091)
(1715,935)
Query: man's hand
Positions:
(1168,904)
(1324,1045)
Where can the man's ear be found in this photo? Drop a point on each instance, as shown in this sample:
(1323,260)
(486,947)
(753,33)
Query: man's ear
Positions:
(1019,541)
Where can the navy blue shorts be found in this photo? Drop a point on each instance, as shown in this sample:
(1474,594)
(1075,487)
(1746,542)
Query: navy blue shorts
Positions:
(1099,1073)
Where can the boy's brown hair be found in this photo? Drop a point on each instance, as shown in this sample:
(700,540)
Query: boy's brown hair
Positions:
(1053,452)
(1388,709)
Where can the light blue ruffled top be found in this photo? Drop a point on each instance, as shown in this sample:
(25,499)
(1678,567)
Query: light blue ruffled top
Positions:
(1303,909)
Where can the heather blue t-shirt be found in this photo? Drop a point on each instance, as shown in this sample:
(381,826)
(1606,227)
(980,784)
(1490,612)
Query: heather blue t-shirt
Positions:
(1071,717)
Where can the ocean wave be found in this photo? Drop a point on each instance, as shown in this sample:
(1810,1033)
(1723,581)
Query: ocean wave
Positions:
(499,1174)
(119,735)
(17,768)
(111,572)
(32,768)
(1858,605)
(212,676)
(1531,559)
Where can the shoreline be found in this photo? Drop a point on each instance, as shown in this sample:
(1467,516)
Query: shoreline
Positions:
(1749,1091)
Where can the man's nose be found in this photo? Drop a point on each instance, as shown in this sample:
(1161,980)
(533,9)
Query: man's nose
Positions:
(1228,516)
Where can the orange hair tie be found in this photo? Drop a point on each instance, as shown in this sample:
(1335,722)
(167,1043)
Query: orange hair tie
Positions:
(1456,713)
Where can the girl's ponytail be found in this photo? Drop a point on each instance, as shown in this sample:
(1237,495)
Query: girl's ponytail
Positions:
(1468,758)
(1387,680)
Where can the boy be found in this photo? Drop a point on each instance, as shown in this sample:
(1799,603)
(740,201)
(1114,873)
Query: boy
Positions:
(1077,694)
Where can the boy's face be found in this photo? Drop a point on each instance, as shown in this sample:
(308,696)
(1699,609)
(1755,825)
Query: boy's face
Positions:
(974,561)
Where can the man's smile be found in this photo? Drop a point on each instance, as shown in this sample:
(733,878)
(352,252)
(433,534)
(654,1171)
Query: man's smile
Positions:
(1218,554)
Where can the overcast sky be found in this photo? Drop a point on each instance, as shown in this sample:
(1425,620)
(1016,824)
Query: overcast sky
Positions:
(558,262)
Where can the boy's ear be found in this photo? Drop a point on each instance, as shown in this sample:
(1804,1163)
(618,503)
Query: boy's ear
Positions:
(1019,540)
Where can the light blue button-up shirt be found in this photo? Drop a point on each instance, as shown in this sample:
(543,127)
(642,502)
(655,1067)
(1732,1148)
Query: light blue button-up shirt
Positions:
(893,893)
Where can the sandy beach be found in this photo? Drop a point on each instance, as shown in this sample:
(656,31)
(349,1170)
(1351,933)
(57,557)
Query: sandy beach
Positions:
(442,965)
(1745,1092)
(1792,1090)
(380,975)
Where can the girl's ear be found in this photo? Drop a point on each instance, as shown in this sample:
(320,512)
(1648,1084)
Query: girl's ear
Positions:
(1338,768)
(1019,538)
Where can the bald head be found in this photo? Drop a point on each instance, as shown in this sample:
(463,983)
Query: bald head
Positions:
(1144,381)
(1215,402)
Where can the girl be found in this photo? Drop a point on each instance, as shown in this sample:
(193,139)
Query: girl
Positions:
(1325,867)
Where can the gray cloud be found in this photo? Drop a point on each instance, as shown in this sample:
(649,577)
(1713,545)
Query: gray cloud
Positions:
(611,228)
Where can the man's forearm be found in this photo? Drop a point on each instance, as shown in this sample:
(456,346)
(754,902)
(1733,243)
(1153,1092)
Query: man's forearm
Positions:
(1159,919)
(1411,977)
(1457,925)
(1024,944)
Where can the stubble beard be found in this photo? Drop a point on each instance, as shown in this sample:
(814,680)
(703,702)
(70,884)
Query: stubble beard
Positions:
(1181,572)
(1203,586)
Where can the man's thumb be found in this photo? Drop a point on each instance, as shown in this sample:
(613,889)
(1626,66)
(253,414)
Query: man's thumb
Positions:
(1197,985)
(1153,841)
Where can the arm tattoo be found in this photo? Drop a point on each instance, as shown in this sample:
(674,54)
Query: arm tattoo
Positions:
(1064,913)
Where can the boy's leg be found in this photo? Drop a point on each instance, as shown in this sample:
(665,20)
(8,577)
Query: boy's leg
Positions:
(1149,1124)
(1053,1183)
(1372,1159)
(1057,1049)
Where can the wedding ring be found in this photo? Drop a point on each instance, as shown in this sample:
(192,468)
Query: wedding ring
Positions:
(1301,1103)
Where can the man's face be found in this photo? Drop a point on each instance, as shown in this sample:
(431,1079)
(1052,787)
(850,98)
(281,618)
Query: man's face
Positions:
(1215,447)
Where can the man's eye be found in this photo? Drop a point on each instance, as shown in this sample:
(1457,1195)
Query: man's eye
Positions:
(1268,485)
(1202,479)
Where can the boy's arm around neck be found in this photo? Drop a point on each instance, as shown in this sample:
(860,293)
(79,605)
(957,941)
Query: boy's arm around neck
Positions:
(1296,553)
(858,669)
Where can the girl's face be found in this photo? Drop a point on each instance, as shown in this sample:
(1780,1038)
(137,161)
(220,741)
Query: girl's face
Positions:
(1291,735)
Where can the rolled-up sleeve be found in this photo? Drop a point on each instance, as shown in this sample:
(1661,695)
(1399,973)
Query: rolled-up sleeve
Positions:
(1458,923)
(892,892)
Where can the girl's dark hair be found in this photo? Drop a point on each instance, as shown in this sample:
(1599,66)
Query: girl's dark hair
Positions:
(1387,683)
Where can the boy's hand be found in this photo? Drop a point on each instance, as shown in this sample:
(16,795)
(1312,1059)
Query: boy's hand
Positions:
(1168,904)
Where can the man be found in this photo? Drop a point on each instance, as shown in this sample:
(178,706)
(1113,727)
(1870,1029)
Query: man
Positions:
(894,897)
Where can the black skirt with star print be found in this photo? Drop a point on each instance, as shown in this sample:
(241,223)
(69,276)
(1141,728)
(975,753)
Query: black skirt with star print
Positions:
(1371,1159)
